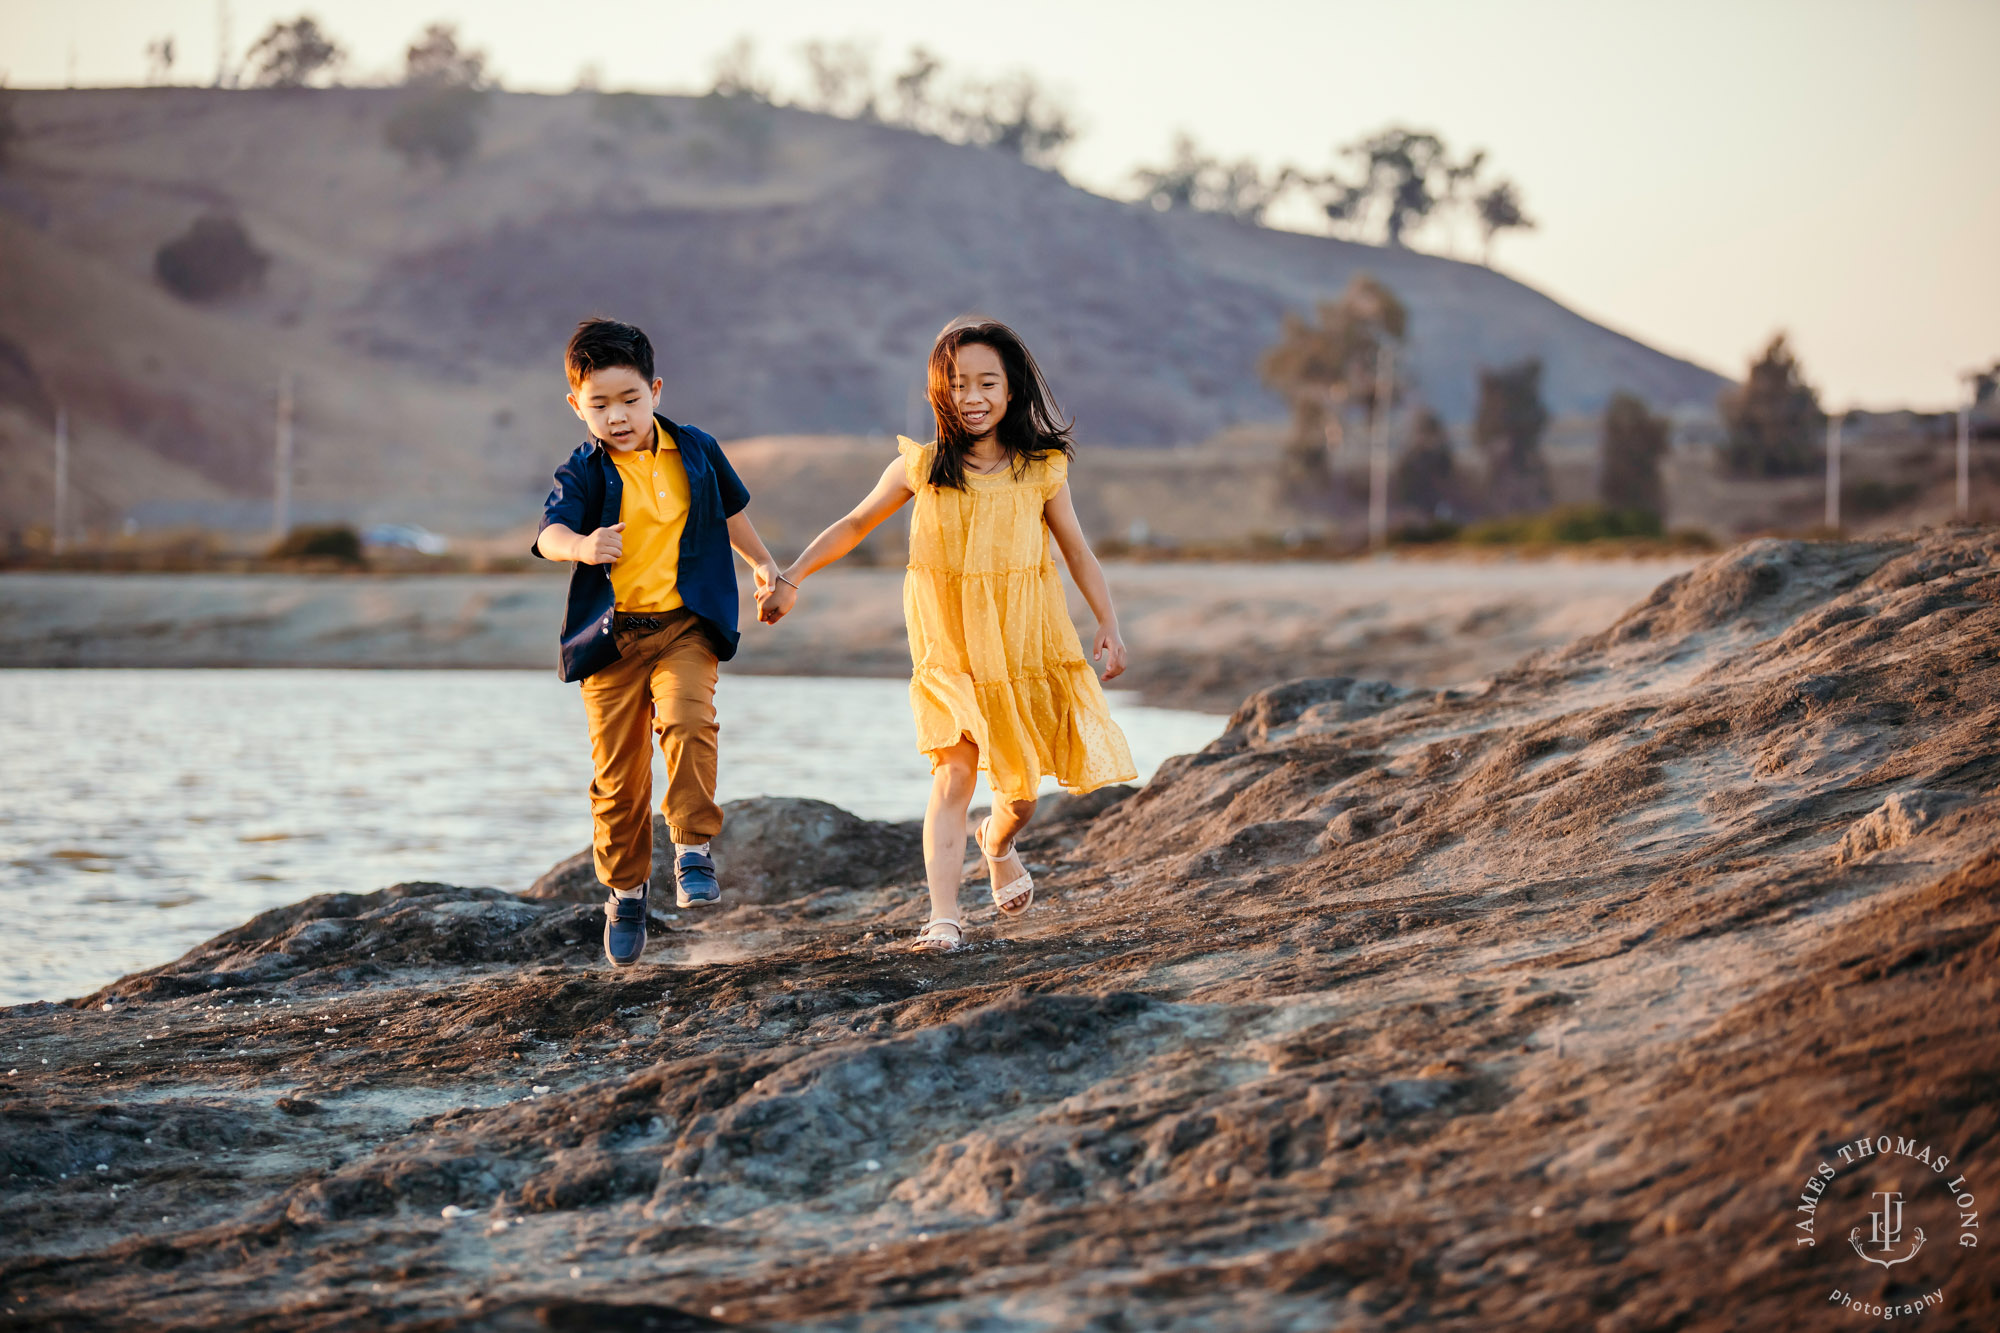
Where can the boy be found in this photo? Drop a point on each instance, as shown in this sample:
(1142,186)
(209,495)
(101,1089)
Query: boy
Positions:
(648,510)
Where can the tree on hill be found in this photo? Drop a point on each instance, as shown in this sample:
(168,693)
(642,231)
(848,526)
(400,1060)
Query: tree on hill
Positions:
(440,114)
(160,60)
(1629,453)
(1401,179)
(436,60)
(840,80)
(289,55)
(737,74)
(913,89)
(1402,175)
(1325,366)
(1015,115)
(1507,430)
(1986,385)
(1424,478)
(1499,210)
(1773,418)
(1194,181)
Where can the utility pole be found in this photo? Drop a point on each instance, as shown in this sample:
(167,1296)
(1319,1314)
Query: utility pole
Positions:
(281,470)
(56,542)
(1965,451)
(1378,445)
(222,40)
(1833,422)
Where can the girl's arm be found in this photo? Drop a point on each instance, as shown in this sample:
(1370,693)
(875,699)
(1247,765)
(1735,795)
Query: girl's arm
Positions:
(889,495)
(1108,645)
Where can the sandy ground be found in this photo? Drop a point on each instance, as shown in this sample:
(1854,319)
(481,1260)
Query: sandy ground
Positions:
(1558,1002)
(1201,635)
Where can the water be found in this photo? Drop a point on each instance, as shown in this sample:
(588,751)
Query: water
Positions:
(142,812)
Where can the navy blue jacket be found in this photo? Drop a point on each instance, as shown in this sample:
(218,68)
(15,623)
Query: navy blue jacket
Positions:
(588,494)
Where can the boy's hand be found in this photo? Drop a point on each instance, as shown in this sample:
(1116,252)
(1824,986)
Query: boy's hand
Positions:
(773,602)
(602,546)
(1109,647)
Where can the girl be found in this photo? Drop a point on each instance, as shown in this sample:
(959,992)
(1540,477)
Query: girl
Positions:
(999,680)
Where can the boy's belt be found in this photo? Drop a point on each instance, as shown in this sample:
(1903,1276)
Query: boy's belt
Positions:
(624,620)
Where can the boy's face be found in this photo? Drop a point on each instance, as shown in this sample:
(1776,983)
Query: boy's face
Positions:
(617,404)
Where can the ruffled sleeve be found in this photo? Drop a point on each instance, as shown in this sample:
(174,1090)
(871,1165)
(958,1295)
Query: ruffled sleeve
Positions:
(1055,471)
(916,461)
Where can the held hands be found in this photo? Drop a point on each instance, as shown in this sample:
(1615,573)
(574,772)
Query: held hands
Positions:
(1109,648)
(602,546)
(775,597)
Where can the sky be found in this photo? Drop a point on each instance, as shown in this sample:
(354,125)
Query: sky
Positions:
(1703,175)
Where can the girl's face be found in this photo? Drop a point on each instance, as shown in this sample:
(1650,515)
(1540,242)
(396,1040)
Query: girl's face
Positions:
(979,389)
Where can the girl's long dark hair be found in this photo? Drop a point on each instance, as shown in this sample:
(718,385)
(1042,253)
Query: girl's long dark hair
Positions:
(1033,427)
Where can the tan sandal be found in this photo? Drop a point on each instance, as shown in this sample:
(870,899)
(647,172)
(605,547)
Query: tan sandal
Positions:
(934,940)
(1020,895)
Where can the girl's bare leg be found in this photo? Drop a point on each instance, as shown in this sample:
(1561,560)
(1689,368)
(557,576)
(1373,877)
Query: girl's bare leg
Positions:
(952,784)
(1009,818)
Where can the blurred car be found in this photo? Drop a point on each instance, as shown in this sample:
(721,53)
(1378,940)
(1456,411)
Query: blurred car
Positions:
(405,537)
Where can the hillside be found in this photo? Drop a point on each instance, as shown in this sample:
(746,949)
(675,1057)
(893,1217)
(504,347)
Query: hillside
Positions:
(792,268)
(1527,1006)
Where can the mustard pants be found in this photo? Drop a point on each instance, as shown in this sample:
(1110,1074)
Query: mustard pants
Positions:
(663,682)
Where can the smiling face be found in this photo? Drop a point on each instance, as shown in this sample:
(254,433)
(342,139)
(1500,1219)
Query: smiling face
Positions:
(979,390)
(617,404)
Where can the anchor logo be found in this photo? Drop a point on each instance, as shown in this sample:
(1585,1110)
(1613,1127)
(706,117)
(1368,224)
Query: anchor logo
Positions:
(1885,1229)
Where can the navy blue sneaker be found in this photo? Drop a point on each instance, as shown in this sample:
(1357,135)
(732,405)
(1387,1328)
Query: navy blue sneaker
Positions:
(694,880)
(625,928)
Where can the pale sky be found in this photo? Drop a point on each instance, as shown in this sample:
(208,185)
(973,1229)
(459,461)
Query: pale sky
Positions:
(1704,174)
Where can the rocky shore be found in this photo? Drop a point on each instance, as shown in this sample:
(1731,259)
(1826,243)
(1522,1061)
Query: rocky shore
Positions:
(1536,1004)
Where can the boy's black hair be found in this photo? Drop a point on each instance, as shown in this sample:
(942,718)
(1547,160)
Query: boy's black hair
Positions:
(600,344)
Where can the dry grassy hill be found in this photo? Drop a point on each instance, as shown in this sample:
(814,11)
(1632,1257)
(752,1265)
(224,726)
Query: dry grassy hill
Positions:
(792,268)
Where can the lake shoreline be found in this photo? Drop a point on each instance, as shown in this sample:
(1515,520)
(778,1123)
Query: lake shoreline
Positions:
(1202,636)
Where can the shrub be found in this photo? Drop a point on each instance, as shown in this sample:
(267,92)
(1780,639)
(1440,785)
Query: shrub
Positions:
(332,542)
(439,117)
(212,259)
(1430,532)
(1572,523)
(633,113)
(743,131)
(1870,498)
(441,124)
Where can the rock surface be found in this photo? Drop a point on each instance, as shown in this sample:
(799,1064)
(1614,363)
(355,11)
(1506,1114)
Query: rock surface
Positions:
(1526,1006)
(776,848)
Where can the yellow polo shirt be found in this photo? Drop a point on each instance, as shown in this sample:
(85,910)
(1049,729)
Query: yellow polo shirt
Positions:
(654,509)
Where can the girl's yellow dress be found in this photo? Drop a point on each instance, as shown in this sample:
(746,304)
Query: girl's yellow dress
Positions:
(994,653)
